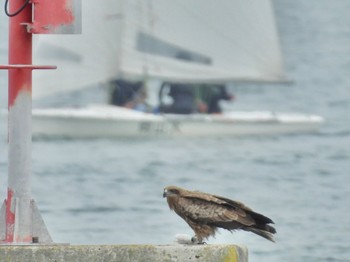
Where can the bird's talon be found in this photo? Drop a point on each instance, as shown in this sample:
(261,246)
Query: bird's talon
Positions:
(195,240)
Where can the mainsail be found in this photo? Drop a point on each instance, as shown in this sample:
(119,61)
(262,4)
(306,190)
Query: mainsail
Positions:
(170,40)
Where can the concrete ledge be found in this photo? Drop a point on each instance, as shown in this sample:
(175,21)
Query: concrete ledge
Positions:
(123,253)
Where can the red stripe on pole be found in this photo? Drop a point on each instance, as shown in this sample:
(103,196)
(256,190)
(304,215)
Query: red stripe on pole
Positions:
(20,50)
(10,216)
(13,92)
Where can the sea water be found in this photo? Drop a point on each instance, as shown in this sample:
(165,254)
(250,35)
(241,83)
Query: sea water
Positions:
(104,191)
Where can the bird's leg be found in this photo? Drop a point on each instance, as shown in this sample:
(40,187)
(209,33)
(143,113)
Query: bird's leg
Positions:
(198,241)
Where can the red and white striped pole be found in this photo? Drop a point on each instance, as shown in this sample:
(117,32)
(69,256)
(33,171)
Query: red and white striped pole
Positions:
(23,223)
(18,202)
(20,220)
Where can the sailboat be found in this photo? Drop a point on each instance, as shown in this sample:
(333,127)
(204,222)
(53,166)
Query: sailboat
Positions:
(138,40)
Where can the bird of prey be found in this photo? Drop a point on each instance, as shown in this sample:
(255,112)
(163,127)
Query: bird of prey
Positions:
(205,213)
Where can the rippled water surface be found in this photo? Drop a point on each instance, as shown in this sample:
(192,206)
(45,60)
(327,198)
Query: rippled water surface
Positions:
(110,191)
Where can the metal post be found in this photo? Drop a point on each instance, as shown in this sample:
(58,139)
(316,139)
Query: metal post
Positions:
(20,220)
(23,223)
(18,207)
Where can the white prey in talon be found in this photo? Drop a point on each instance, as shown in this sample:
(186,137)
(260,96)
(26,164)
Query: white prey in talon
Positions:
(184,239)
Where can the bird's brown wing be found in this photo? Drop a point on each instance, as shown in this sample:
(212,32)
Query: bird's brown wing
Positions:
(246,209)
(205,208)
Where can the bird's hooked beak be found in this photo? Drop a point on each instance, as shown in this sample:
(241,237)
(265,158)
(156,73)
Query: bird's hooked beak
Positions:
(165,193)
(170,192)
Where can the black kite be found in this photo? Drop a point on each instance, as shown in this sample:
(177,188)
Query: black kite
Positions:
(205,213)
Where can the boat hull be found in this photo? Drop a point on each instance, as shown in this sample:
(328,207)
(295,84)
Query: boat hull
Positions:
(106,121)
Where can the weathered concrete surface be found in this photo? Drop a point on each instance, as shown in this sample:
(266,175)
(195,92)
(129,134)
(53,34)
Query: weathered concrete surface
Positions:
(123,253)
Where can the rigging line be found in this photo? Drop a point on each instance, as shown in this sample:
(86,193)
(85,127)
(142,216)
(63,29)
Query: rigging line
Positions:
(18,11)
(147,17)
(250,28)
(268,24)
(119,53)
(150,24)
(250,25)
(266,31)
(220,33)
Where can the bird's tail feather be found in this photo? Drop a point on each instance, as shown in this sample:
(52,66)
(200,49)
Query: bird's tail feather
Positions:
(265,227)
(262,233)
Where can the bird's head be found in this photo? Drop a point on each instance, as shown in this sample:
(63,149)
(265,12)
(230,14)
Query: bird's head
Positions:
(171,191)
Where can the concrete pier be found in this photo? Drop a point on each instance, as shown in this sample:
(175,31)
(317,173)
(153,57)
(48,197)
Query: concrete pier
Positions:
(123,253)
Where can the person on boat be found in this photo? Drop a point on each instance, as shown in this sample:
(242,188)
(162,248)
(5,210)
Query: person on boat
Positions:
(128,94)
(182,96)
(209,97)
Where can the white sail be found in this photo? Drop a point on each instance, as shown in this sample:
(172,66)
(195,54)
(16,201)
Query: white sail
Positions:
(174,40)
(201,40)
